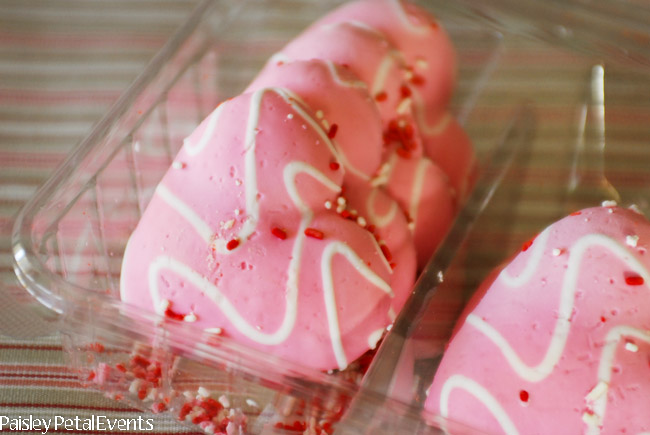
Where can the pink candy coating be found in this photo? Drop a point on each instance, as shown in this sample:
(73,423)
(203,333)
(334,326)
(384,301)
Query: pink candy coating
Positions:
(558,341)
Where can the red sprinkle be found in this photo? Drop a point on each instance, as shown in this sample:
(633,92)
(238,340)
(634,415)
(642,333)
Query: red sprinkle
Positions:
(527,245)
(382,96)
(371,228)
(279,233)
(333,129)
(603,319)
(386,252)
(576,213)
(232,244)
(634,280)
(334,166)
(524,396)
(142,393)
(314,233)
(91,376)
(417,80)
(96,347)
(405,91)
(120,367)
(403,153)
(171,314)
(158,407)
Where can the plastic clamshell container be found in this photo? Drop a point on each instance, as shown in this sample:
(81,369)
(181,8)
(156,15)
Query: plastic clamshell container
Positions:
(70,238)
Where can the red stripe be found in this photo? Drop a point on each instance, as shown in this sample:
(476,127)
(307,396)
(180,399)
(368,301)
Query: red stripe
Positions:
(31,347)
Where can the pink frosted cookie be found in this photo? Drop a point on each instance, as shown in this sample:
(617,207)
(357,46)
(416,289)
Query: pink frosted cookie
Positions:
(370,56)
(428,54)
(558,342)
(237,238)
(342,105)
(423,191)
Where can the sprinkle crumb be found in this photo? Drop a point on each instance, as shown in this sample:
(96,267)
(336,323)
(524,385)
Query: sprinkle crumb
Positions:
(632,347)
(632,240)
(319,114)
(341,200)
(190,318)
(609,203)
(252,403)
(440,276)
(361,221)
(224,401)
(178,165)
(228,224)
(238,182)
(421,64)
(557,252)
(237,212)
(290,116)
(328,205)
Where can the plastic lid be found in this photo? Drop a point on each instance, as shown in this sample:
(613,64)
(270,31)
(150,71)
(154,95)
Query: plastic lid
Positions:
(616,30)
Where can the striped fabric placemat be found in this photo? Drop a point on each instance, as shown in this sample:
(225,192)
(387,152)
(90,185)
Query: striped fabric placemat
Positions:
(62,63)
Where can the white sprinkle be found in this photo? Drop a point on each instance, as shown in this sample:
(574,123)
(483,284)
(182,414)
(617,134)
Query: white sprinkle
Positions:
(635,208)
(153,395)
(320,114)
(632,347)
(557,252)
(328,205)
(164,304)
(325,124)
(251,402)
(421,64)
(190,318)
(217,331)
(597,392)
(135,386)
(304,127)
(178,165)
(408,75)
(340,208)
(404,107)
(361,221)
(340,200)
(228,224)
(238,182)
(290,116)
(136,146)
(441,276)
(224,401)
(203,392)
(609,203)
(237,212)
(632,240)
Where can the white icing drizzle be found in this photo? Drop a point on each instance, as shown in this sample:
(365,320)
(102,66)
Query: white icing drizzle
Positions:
(195,148)
(416,191)
(567,300)
(420,111)
(380,220)
(202,229)
(612,340)
(329,252)
(290,174)
(339,81)
(381,75)
(536,253)
(374,338)
(482,395)
(405,21)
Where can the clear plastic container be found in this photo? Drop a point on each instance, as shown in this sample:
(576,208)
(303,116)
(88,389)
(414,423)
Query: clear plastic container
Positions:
(70,238)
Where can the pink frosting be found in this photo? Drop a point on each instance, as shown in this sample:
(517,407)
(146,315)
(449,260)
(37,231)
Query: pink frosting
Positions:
(558,342)
(209,240)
